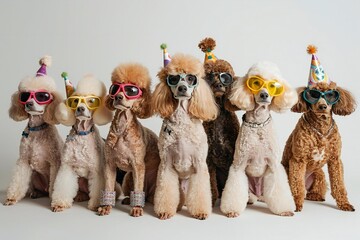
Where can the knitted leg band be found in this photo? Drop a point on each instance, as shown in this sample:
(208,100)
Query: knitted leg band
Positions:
(137,199)
(107,198)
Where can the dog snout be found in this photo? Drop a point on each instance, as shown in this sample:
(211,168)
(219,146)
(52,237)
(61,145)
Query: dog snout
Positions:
(29,104)
(264,95)
(182,89)
(219,85)
(322,107)
(80,109)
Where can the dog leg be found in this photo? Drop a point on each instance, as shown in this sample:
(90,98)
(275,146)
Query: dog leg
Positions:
(198,196)
(338,190)
(138,178)
(297,171)
(19,184)
(318,188)
(127,187)
(276,191)
(236,193)
(213,184)
(110,179)
(65,189)
(167,195)
(53,171)
(96,183)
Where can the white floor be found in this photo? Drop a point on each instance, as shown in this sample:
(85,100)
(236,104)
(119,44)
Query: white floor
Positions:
(32,219)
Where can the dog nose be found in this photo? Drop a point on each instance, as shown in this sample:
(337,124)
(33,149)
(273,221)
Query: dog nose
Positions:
(80,109)
(322,106)
(218,86)
(264,95)
(182,89)
(29,104)
(119,97)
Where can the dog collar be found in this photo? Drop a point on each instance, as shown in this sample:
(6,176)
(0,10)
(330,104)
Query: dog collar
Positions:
(256,125)
(317,131)
(84,133)
(34,129)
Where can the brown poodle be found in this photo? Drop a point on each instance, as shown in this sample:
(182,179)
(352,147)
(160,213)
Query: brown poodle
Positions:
(223,131)
(315,142)
(40,146)
(130,146)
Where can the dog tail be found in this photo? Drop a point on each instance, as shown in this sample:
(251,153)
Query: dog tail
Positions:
(207,44)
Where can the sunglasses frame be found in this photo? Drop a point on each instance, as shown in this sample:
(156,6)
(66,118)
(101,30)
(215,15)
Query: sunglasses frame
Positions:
(322,95)
(265,84)
(82,99)
(221,80)
(122,89)
(182,76)
(33,96)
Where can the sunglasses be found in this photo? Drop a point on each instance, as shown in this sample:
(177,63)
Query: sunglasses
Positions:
(91,102)
(312,96)
(41,97)
(255,84)
(225,78)
(173,80)
(130,91)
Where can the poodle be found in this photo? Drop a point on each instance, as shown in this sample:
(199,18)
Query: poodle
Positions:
(40,146)
(130,146)
(316,141)
(183,99)
(83,153)
(256,168)
(222,131)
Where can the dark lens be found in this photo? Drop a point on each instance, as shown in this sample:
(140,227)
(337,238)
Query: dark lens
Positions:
(226,78)
(191,80)
(331,97)
(131,91)
(173,79)
(42,96)
(314,94)
(24,96)
(114,89)
(210,77)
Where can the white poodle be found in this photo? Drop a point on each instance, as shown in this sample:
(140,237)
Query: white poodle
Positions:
(83,152)
(256,167)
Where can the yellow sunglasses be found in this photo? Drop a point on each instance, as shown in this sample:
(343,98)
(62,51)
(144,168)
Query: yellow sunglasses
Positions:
(91,102)
(255,84)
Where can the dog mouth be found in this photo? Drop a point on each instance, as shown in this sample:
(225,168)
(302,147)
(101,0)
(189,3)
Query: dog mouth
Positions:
(121,106)
(34,112)
(82,116)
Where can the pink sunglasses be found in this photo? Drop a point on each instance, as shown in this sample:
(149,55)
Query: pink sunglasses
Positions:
(130,91)
(41,97)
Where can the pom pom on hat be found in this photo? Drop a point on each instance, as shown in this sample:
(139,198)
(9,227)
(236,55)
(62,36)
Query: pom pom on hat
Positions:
(44,62)
(311,49)
(167,58)
(317,73)
(69,87)
(207,45)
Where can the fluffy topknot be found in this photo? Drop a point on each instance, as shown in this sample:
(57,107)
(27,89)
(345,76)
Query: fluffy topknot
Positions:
(207,44)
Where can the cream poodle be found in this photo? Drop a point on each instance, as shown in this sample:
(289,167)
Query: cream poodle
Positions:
(256,168)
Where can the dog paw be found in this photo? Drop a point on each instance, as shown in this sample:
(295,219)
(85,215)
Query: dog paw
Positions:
(286,214)
(232,214)
(137,211)
(164,216)
(38,194)
(81,197)
(93,208)
(9,202)
(201,216)
(58,208)
(347,207)
(314,197)
(298,208)
(104,210)
(126,201)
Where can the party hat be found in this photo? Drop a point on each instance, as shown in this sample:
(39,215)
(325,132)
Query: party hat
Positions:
(44,62)
(69,87)
(167,58)
(317,73)
(207,45)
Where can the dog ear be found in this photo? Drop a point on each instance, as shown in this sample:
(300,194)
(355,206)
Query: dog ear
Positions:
(346,104)
(65,115)
(109,103)
(17,110)
(241,96)
(202,103)
(49,114)
(301,106)
(162,101)
(286,100)
(103,114)
(142,106)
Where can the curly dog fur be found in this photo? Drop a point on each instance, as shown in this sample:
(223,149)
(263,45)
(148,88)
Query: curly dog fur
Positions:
(129,145)
(256,167)
(221,132)
(40,150)
(183,143)
(315,142)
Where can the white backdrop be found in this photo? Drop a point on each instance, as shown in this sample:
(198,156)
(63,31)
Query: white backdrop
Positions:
(94,36)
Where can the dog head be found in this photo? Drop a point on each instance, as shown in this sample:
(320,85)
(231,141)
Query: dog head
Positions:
(86,103)
(263,85)
(325,98)
(130,89)
(182,79)
(219,75)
